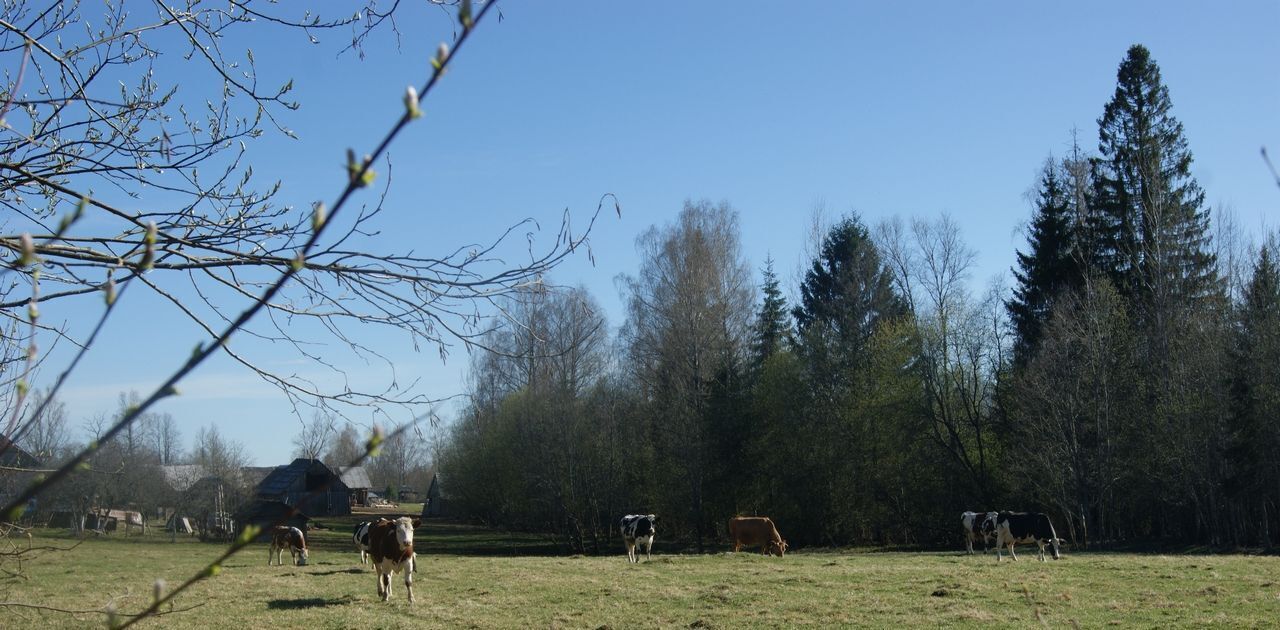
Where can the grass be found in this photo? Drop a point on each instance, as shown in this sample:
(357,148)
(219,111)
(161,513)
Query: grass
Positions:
(470,577)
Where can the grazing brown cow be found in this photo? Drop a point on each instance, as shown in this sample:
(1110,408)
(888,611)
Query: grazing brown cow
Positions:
(391,545)
(291,538)
(756,530)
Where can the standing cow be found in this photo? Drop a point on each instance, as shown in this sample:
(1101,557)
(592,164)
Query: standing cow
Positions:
(291,538)
(756,530)
(638,529)
(361,538)
(1023,527)
(978,526)
(391,545)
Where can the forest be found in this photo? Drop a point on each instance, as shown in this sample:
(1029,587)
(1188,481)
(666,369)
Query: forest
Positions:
(1125,384)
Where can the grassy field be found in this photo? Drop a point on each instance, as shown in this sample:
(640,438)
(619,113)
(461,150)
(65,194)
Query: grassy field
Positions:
(470,577)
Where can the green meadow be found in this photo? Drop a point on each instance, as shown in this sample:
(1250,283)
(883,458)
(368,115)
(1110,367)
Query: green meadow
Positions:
(474,578)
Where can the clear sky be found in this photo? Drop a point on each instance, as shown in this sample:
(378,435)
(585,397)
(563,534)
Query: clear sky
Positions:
(902,108)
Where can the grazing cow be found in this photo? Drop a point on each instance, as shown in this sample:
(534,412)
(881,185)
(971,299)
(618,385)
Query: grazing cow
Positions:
(638,529)
(291,538)
(978,526)
(756,530)
(1021,527)
(391,545)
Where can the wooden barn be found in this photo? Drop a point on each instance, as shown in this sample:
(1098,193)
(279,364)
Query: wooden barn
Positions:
(307,485)
(357,480)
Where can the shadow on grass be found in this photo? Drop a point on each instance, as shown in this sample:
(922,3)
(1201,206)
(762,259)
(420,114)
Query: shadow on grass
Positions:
(308,602)
(337,571)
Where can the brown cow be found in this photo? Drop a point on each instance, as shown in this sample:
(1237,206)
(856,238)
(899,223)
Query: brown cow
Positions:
(756,530)
(291,538)
(391,545)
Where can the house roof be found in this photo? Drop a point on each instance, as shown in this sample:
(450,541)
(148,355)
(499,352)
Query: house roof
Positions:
(181,477)
(356,477)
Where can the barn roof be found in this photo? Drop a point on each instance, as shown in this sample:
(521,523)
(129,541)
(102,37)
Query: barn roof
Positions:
(13,455)
(355,477)
(282,478)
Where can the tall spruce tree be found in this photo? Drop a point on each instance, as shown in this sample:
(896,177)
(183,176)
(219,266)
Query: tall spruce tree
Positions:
(771,326)
(1050,267)
(1150,214)
(848,289)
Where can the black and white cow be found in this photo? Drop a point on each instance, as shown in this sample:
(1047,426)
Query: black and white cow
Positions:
(638,529)
(978,526)
(361,539)
(1023,527)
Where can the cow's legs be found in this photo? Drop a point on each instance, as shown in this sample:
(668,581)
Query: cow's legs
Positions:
(648,549)
(1013,554)
(737,546)
(384,585)
(631,550)
(968,543)
(408,580)
(1041,545)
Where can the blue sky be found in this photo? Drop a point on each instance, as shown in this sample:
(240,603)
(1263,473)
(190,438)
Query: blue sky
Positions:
(909,109)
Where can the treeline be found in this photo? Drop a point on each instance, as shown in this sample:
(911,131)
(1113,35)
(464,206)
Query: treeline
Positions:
(1127,384)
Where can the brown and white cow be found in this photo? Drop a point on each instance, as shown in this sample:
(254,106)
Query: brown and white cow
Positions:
(291,538)
(756,530)
(1023,527)
(977,526)
(391,545)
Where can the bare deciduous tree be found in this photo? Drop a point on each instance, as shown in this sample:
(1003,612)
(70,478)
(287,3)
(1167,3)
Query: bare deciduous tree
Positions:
(960,342)
(314,436)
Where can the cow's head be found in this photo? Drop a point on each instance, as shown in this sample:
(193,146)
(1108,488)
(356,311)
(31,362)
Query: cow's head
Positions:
(302,557)
(1053,543)
(404,531)
(986,525)
(777,548)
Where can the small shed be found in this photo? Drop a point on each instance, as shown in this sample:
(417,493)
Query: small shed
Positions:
(357,481)
(436,504)
(308,485)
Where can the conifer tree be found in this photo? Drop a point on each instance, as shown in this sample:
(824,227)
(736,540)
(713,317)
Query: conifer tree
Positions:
(772,328)
(847,290)
(1151,218)
(1048,268)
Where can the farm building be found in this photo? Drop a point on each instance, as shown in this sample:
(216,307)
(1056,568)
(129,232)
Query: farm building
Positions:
(435,505)
(357,481)
(15,456)
(309,486)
